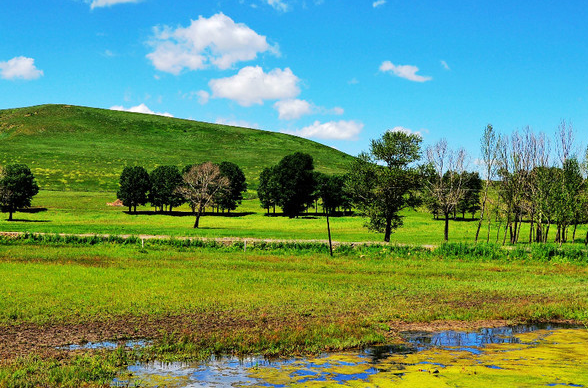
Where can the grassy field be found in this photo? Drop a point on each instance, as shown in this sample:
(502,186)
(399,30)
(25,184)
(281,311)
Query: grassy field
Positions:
(87,212)
(79,148)
(196,301)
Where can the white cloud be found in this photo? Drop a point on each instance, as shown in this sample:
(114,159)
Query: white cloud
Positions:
(404,71)
(378,3)
(279,5)
(140,109)
(236,123)
(252,86)
(353,81)
(293,109)
(20,67)
(109,3)
(408,131)
(445,65)
(332,130)
(217,41)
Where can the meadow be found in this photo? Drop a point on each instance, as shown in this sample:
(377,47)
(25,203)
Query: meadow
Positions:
(195,298)
(196,301)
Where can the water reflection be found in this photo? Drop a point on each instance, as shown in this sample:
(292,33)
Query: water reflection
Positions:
(538,355)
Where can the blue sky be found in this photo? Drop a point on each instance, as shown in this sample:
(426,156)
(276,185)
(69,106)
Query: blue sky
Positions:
(340,72)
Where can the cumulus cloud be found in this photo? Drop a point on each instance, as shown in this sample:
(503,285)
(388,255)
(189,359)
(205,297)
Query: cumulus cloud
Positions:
(142,108)
(378,3)
(109,3)
(408,131)
(20,67)
(332,130)
(404,71)
(293,109)
(252,86)
(216,41)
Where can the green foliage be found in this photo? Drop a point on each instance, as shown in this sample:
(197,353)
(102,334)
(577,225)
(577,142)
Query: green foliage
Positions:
(268,189)
(332,192)
(379,191)
(134,185)
(17,188)
(232,197)
(165,181)
(295,183)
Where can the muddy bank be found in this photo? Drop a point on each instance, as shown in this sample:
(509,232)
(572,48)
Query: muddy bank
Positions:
(50,340)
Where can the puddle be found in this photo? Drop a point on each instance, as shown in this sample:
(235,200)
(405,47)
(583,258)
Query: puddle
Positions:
(520,356)
(107,345)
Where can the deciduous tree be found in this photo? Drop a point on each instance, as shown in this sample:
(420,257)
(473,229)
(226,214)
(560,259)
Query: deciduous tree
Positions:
(17,188)
(134,185)
(201,185)
(384,181)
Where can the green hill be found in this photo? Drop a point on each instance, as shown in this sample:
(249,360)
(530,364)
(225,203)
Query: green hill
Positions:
(78,148)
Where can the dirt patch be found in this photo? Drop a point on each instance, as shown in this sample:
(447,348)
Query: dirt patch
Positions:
(23,339)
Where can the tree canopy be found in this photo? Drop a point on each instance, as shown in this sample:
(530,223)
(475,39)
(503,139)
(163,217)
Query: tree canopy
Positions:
(384,181)
(134,185)
(17,188)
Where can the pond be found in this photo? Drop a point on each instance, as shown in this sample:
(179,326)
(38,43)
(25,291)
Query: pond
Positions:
(519,356)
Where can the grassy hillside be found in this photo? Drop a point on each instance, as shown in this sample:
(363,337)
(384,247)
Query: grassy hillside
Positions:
(79,148)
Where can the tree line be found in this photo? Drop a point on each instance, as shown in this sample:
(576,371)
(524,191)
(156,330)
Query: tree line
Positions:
(220,186)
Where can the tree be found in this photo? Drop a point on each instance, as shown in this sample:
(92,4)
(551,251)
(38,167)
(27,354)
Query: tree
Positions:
(489,147)
(470,203)
(383,181)
(201,184)
(134,185)
(232,197)
(444,178)
(17,188)
(164,182)
(331,191)
(267,191)
(295,182)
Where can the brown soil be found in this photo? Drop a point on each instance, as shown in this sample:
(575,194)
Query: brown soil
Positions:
(27,338)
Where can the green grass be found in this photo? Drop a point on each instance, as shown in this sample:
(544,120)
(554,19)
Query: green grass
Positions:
(87,212)
(271,302)
(72,283)
(85,149)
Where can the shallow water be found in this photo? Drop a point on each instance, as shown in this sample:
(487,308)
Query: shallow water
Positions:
(520,356)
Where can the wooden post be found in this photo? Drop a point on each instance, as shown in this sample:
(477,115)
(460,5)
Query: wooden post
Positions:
(329,231)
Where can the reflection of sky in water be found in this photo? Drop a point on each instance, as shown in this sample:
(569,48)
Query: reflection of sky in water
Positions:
(106,345)
(358,366)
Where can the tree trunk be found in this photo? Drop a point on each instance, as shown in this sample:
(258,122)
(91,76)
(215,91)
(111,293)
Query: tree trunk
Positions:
(574,233)
(198,214)
(130,208)
(10,216)
(388,231)
(446,230)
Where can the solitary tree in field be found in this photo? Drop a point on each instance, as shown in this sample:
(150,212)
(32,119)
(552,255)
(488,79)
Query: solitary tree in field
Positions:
(17,188)
(202,183)
(384,181)
(134,185)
